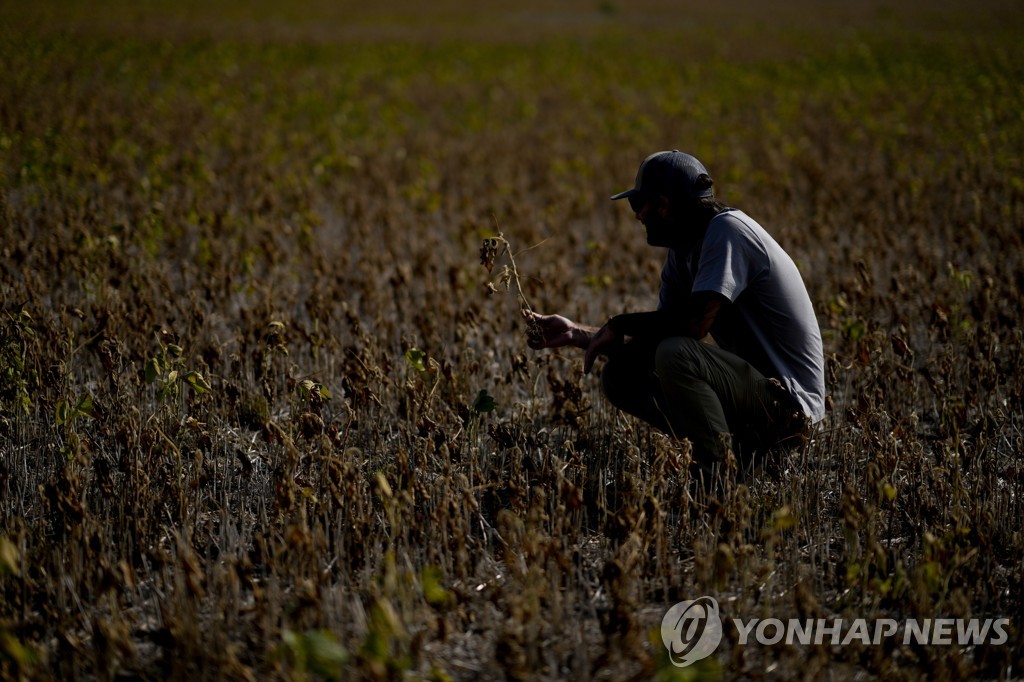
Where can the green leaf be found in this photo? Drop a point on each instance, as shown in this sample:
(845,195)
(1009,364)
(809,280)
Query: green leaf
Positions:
(12,648)
(308,386)
(197,382)
(324,654)
(433,586)
(484,402)
(9,561)
(85,408)
(854,330)
(152,370)
(415,358)
(63,412)
(290,639)
(783,518)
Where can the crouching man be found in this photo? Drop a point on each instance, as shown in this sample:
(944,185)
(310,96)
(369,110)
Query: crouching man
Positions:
(760,384)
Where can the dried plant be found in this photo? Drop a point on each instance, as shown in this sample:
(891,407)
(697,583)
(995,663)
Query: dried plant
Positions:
(493,248)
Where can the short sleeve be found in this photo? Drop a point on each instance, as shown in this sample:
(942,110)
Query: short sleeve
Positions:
(731,258)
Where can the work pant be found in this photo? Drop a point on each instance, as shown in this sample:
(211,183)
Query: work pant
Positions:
(694,390)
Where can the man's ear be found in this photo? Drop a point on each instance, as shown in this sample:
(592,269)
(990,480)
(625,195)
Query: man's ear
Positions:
(664,207)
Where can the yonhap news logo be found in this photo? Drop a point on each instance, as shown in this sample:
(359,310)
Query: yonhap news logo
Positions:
(692,630)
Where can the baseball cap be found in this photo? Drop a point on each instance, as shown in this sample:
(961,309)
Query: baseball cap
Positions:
(672,173)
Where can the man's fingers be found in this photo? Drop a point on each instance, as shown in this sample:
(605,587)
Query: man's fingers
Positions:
(532,316)
(604,337)
(535,336)
(593,349)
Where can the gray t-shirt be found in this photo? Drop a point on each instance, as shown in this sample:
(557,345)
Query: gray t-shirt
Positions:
(771,323)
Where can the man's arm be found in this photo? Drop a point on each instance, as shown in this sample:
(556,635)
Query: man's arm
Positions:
(556,331)
(701,309)
(698,316)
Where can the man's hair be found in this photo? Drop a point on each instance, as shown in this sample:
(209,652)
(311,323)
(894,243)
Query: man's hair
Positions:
(699,211)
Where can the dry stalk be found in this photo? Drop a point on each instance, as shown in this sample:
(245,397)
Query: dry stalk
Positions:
(493,248)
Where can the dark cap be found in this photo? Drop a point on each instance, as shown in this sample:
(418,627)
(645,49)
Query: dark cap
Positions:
(672,174)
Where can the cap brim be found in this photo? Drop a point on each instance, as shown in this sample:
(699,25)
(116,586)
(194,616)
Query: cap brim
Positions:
(625,195)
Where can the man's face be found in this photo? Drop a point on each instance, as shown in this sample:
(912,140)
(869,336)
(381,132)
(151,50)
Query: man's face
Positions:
(653,212)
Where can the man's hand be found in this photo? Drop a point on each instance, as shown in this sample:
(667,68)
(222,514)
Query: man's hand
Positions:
(605,337)
(553,331)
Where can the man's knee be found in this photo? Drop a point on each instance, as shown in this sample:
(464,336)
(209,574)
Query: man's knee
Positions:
(627,378)
(678,358)
(615,381)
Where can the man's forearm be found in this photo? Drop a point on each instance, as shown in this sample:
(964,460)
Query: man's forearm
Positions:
(695,320)
(581,335)
(654,324)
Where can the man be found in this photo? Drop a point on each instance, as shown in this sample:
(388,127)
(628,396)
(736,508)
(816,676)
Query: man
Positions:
(761,383)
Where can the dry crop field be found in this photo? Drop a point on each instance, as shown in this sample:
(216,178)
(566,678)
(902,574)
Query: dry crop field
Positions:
(262,417)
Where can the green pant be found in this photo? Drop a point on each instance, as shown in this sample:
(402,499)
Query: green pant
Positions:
(695,390)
